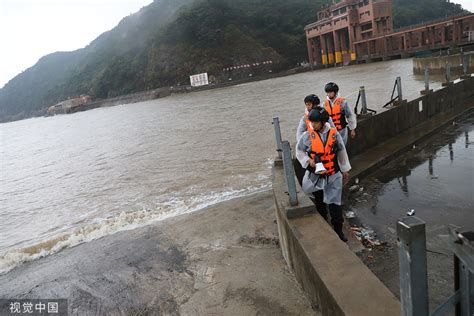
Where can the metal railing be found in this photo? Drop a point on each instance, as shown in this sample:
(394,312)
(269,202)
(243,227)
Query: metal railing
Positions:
(448,72)
(364,109)
(398,87)
(276,126)
(284,153)
(427,79)
(413,270)
(465,65)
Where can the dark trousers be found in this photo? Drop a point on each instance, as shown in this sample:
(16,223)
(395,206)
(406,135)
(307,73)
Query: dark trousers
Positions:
(335,210)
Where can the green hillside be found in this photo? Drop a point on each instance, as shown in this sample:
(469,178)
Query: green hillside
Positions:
(168,40)
(411,12)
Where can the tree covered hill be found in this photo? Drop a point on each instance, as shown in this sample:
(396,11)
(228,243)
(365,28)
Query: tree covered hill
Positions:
(168,40)
(411,12)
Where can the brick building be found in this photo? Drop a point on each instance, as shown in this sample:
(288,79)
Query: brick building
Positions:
(361,30)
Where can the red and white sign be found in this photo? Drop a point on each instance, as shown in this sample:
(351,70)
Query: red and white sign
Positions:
(199,80)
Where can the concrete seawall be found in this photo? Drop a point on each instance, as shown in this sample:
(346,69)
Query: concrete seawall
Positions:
(126,99)
(437,64)
(167,91)
(333,277)
(388,124)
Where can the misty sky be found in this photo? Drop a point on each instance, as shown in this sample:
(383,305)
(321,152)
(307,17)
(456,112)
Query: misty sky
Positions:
(30,29)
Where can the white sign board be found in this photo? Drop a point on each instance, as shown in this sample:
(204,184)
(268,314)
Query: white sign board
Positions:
(199,80)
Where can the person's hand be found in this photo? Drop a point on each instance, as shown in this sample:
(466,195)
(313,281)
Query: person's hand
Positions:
(345,176)
(353,133)
(311,163)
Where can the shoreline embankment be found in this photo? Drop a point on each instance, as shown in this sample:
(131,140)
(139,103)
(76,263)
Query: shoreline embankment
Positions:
(221,260)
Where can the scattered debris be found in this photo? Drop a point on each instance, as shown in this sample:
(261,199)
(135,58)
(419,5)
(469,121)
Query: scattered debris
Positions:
(411,212)
(414,146)
(361,189)
(350,214)
(435,176)
(367,237)
(356,181)
(354,188)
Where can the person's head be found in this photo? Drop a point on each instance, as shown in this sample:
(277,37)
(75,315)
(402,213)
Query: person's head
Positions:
(331,90)
(311,101)
(318,117)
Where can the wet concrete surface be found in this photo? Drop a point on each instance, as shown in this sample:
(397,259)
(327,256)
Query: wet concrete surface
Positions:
(222,261)
(436,179)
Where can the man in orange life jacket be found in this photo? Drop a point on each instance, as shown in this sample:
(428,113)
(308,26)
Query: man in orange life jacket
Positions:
(339,111)
(311,102)
(323,144)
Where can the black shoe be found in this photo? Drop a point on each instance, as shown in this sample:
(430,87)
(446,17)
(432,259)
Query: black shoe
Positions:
(342,236)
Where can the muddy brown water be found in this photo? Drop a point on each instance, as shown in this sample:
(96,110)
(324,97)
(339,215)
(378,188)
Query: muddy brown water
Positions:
(69,179)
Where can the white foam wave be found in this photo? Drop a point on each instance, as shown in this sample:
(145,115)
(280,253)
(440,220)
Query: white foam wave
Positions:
(269,163)
(124,221)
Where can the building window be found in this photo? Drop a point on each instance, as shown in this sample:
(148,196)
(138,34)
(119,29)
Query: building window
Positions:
(365,27)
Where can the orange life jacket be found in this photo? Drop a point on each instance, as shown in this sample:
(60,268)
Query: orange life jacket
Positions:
(327,151)
(309,127)
(335,113)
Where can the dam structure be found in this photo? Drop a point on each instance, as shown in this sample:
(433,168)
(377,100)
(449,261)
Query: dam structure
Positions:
(353,31)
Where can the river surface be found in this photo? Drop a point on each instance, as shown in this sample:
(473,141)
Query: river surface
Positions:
(69,179)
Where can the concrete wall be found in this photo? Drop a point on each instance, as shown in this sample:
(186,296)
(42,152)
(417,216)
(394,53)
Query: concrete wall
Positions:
(388,124)
(333,277)
(126,99)
(167,91)
(437,64)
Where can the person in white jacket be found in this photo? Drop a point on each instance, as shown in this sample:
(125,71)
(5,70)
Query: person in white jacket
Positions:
(339,111)
(311,102)
(321,151)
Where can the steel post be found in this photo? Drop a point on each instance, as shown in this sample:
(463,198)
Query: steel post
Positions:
(289,173)
(413,268)
(427,79)
(448,73)
(466,288)
(463,248)
(276,126)
(465,65)
(399,88)
(363,100)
